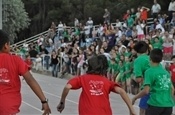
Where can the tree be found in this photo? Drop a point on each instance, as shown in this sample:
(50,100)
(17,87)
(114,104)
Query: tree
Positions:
(15,18)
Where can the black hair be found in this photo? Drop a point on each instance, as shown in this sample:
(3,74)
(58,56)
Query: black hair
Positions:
(129,48)
(4,38)
(141,47)
(173,57)
(156,55)
(97,65)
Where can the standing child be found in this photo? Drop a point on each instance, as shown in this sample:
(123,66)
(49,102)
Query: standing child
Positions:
(80,61)
(127,74)
(141,64)
(120,76)
(157,82)
(10,85)
(94,98)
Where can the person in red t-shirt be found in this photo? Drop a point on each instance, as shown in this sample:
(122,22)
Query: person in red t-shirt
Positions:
(94,98)
(172,70)
(144,13)
(28,62)
(10,85)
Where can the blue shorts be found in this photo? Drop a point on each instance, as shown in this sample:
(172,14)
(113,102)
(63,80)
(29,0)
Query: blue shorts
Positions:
(143,102)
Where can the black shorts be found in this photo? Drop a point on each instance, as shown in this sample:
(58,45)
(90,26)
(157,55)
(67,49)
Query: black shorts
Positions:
(134,84)
(153,110)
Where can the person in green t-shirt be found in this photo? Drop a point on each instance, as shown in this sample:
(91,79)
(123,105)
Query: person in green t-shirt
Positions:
(112,69)
(127,74)
(120,76)
(141,64)
(158,83)
(157,43)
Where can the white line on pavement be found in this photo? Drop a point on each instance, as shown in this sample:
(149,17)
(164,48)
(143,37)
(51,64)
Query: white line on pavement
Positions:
(32,106)
(60,97)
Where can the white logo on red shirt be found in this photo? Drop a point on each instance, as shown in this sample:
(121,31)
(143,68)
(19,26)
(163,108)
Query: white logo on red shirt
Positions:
(174,70)
(96,87)
(4,78)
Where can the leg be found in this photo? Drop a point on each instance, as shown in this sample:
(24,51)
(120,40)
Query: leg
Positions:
(53,70)
(128,85)
(142,111)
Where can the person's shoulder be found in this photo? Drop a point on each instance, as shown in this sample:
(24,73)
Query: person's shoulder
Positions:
(149,70)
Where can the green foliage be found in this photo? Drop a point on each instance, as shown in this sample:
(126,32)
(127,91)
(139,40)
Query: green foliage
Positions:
(15,18)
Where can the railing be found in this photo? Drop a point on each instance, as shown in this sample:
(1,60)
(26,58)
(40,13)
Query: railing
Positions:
(35,38)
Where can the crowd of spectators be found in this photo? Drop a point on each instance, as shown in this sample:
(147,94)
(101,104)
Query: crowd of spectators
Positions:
(66,49)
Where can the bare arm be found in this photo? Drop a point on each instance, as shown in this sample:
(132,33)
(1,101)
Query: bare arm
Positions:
(34,85)
(126,99)
(37,90)
(142,93)
(65,92)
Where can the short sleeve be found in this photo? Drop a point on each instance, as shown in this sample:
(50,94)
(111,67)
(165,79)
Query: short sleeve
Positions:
(137,69)
(22,66)
(112,85)
(148,78)
(75,83)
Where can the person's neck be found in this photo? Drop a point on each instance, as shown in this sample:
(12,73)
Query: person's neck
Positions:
(154,64)
(142,54)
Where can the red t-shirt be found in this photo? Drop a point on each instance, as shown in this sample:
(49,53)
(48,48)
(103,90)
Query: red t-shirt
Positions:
(29,63)
(172,70)
(94,98)
(11,67)
(144,15)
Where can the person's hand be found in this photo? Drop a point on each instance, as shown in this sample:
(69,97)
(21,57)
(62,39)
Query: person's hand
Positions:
(60,107)
(46,109)
(133,100)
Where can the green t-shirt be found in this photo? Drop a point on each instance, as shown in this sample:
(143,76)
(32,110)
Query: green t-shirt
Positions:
(130,22)
(157,45)
(160,87)
(127,67)
(128,54)
(141,64)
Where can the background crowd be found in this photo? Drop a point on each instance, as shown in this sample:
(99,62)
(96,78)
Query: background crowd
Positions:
(66,49)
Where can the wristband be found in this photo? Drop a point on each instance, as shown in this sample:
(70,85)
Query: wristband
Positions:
(45,101)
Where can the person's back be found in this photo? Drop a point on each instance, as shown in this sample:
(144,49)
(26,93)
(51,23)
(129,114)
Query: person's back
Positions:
(11,67)
(9,75)
(94,98)
(95,88)
(142,64)
(160,93)
(157,83)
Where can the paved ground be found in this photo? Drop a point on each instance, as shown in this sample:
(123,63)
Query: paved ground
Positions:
(52,88)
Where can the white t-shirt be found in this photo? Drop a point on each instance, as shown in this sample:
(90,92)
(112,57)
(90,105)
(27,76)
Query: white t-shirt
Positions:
(60,27)
(90,23)
(87,30)
(139,29)
(119,34)
(156,8)
(159,26)
(171,6)
(118,25)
